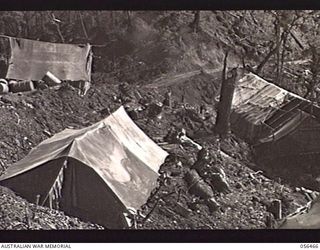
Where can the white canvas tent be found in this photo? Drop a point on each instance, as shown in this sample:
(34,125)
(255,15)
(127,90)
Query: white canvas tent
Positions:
(95,173)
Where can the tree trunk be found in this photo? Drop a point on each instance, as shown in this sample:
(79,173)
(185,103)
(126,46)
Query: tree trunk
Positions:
(278,48)
(112,22)
(26,17)
(315,72)
(129,17)
(196,21)
(283,53)
(222,126)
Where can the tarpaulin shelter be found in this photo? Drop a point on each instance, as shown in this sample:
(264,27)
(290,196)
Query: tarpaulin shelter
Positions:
(309,219)
(95,173)
(300,136)
(261,108)
(31,60)
(282,128)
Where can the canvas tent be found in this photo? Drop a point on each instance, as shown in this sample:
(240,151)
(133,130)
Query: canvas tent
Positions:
(95,173)
(31,60)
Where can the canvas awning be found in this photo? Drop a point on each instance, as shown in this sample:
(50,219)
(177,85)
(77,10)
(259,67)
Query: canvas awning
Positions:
(31,60)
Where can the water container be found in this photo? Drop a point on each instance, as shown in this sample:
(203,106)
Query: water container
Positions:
(21,86)
(3,88)
(12,82)
(4,81)
(50,79)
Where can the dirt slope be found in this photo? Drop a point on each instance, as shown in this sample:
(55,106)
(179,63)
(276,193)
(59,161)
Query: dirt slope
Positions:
(158,49)
(30,116)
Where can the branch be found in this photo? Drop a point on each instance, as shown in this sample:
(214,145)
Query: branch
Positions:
(296,40)
(52,18)
(265,60)
(83,26)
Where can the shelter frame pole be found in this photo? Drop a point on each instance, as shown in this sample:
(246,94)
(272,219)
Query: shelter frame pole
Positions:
(47,196)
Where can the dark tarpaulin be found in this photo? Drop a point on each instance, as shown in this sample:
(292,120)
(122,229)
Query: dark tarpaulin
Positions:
(30,60)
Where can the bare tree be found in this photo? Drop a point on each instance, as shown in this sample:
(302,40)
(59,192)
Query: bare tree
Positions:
(129,18)
(285,22)
(195,25)
(222,126)
(313,51)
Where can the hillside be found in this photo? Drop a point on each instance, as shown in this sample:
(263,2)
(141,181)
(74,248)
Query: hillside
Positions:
(158,52)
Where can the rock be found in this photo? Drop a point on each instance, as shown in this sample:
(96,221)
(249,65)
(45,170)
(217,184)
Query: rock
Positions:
(154,109)
(212,204)
(239,185)
(133,114)
(270,221)
(165,211)
(193,205)
(219,183)
(175,172)
(180,209)
(255,199)
(241,173)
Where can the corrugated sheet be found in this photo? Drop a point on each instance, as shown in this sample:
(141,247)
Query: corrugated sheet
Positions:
(259,99)
(256,101)
(287,126)
(298,137)
(30,60)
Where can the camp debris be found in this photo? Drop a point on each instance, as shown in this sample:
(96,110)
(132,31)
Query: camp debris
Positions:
(310,194)
(306,217)
(51,78)
(179,136)
(275,208)
(95,173)
(21,86)
(4,88)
